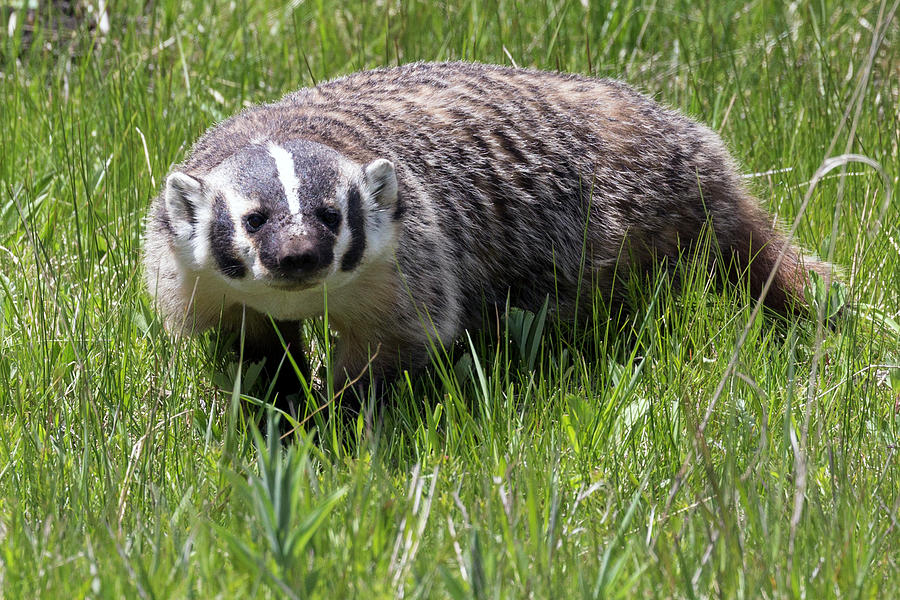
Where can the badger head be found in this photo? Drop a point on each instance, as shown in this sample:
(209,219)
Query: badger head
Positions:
(282,218)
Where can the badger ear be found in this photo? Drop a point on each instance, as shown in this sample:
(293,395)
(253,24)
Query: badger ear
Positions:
(183,197)
(381,182)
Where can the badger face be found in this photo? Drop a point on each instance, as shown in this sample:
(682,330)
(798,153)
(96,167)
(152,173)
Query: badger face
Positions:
(282,218)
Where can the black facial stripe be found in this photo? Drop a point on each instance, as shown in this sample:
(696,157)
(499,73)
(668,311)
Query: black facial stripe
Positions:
(355,222)
(221,241)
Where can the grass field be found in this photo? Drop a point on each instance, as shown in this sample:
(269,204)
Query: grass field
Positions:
(695,451)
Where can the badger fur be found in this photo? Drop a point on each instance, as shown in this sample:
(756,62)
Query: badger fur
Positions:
(410,198)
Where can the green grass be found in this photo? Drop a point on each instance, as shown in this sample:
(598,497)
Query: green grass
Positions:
(552,463)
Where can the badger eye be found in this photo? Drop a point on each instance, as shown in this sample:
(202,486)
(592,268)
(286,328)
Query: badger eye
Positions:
(254,221)
(330,216)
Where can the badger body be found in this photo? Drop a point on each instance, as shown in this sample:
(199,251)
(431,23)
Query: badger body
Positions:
(408,199)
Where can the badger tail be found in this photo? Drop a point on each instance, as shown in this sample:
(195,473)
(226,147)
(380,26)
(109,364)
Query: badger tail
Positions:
(757,250)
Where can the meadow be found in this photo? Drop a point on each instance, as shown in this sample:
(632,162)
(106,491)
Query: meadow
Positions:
(695,448)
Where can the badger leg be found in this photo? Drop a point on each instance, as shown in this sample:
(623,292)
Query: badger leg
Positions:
(261,343)
(373,352)
(359,365)
(367,368)
(356,374)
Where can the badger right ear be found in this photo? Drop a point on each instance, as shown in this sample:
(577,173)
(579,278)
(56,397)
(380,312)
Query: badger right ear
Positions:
(183,197)
(381,179)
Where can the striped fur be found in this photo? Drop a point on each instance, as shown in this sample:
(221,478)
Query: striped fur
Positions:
(508,182)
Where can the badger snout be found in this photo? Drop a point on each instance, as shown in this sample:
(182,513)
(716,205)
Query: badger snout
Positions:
(298,258)
(300,262)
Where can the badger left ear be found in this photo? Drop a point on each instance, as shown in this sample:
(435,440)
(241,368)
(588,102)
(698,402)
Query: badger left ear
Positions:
(183,197)
(381,182)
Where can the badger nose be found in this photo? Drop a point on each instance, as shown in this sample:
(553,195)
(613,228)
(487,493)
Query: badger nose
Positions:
(300,263)
(299,260)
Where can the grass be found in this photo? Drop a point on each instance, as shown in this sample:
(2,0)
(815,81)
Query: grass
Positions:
(551,463)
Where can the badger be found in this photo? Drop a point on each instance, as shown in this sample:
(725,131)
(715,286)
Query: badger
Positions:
(406,200)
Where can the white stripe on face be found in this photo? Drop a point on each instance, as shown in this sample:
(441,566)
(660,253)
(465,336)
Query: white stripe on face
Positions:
(284,162)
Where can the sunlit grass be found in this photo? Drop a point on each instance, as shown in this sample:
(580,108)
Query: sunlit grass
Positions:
(648,455)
